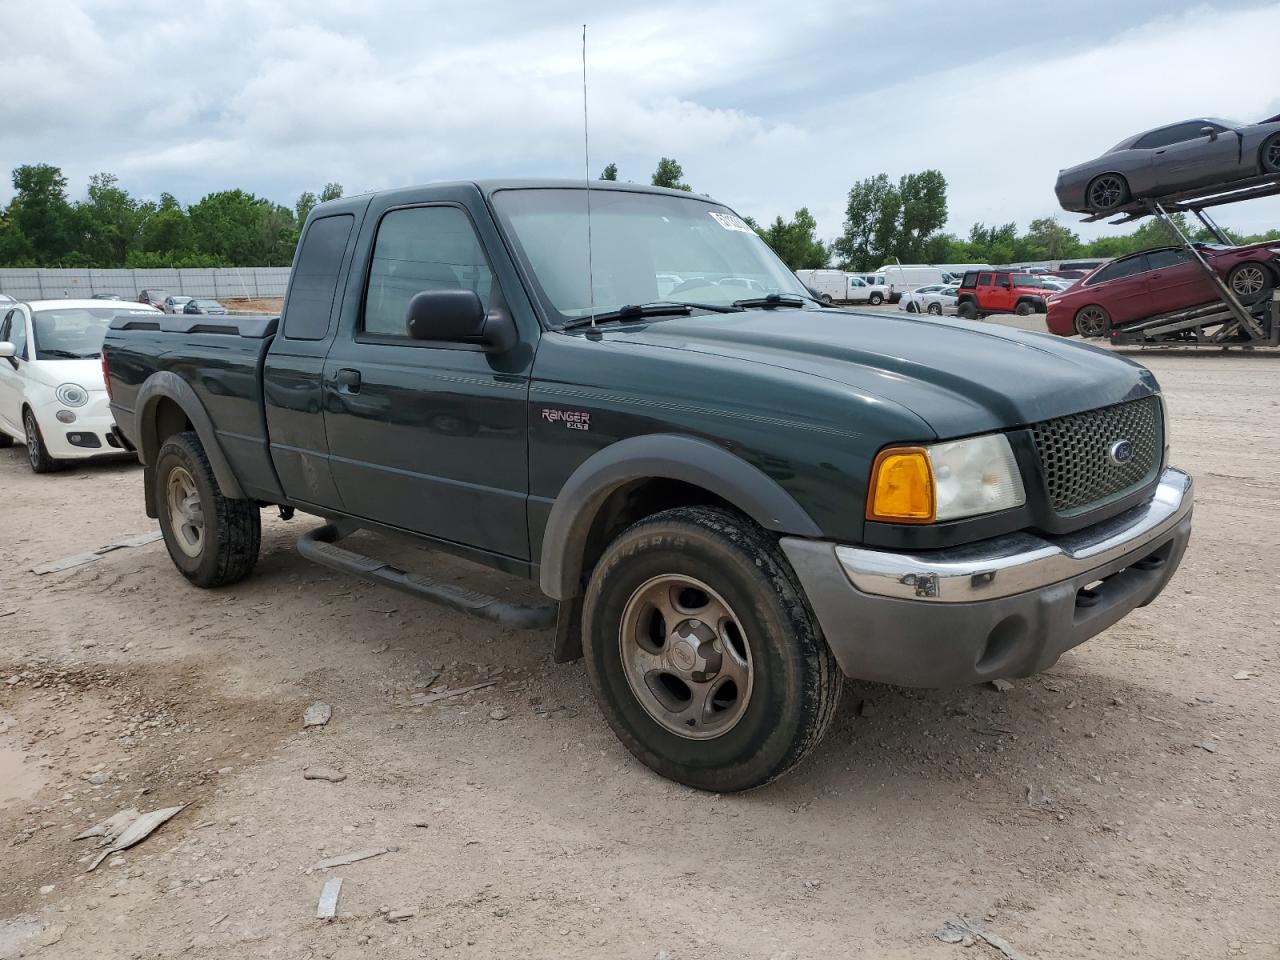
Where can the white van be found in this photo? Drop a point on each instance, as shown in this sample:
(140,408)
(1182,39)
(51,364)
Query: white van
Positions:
(905,277)
(835,286)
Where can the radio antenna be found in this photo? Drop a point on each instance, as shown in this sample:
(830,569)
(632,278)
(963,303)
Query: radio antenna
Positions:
(586,157)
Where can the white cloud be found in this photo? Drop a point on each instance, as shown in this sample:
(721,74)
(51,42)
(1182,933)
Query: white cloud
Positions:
(768,108)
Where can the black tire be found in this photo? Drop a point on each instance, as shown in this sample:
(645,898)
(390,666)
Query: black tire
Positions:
(1107,192)
(1092,321)
(1269,154)
(794,682)
(967,310)
(37,453)
(1024,308)
(876,300)
(935,309)
(6,441)
(1251,281)
(911,306)
(230,531)
(825,298)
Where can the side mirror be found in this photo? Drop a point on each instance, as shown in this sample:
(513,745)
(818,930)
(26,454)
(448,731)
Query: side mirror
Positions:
(458,316)
(7,352)
(1210,132)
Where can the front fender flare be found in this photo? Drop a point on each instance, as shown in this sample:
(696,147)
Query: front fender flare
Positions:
(167,385)
(656,456)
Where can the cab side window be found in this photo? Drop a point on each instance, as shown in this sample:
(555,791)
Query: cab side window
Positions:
(1160,259)
(416,249)
(315,278)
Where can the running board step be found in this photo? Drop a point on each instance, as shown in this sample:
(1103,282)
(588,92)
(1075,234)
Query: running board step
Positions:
(320,546)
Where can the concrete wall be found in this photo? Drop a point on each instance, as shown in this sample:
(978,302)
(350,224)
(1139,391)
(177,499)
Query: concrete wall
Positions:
(37,284)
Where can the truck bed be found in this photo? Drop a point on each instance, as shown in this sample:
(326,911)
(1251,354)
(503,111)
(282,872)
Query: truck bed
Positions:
(221,360)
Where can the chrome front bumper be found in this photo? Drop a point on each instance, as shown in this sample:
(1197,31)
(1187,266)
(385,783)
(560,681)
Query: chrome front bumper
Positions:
(1018,562)
(1004,607)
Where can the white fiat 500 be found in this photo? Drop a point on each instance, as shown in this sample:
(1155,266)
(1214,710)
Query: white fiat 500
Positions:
(52,397)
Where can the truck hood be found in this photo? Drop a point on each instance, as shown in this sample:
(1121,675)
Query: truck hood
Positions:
(960,377)
(53,373)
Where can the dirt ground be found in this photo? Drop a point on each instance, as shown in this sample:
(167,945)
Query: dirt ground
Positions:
(1124,804)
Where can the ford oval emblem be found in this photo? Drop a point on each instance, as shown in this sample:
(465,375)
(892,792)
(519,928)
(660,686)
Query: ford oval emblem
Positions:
(1120,452)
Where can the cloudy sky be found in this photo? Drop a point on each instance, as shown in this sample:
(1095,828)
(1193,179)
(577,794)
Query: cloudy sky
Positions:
(769,106)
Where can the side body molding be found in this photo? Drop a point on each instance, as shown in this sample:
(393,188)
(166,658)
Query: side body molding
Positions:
(167,385)
(656,456)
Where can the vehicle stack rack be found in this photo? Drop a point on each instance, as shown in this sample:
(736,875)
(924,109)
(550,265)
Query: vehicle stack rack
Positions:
(1227,323)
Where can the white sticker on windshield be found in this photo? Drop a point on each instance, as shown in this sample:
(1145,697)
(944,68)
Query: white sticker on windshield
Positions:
(730,222)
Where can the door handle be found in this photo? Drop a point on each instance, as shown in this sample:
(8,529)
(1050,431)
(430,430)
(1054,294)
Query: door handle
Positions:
(347,380)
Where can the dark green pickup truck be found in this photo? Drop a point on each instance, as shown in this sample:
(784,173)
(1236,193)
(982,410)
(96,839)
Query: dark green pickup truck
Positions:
(729,494)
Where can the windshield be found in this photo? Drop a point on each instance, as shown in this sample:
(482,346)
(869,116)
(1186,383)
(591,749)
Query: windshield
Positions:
(71,333)
(645,247)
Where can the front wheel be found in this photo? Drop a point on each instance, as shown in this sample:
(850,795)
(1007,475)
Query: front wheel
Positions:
(213,540)
(703,653)
(911,306)
(1108,192)
(1024,309)
(1248,281)
(876,299)
(37,452)
(1093,321)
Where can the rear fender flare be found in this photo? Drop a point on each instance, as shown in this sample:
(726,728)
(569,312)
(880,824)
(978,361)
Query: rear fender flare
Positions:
(656,456)
(167,385)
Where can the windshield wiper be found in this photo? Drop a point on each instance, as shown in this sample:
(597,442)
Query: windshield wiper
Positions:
(659,308)
(774,300)
(64,354)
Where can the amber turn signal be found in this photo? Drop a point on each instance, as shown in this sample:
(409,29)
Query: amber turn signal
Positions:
(901,489)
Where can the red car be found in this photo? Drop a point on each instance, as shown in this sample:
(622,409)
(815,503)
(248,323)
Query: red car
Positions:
(1154,282)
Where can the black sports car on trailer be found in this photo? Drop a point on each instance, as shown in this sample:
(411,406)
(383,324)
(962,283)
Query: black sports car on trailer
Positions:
(1201,153)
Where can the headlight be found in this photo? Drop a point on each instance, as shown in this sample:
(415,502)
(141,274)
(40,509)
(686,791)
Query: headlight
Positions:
(72,395)
(945,481)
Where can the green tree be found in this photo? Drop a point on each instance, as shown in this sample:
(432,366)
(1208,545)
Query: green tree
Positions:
(1047,239)
(670,174)
(242,230)
(331,191)
(166,232)
(870,219)
(923,213)
(42,213)
(610,172)
(305,204)
(15,248)
(795,242)
(110,222)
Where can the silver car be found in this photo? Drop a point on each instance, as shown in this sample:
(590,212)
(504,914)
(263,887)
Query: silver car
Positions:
(1205,153)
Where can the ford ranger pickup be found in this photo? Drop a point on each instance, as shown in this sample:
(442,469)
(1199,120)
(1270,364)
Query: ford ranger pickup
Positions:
(729,495)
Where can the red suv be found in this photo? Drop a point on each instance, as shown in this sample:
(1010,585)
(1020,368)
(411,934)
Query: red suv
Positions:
(1165,280)
(1000,291)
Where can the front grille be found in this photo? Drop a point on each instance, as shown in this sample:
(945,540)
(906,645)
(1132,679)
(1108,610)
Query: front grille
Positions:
(1075,453)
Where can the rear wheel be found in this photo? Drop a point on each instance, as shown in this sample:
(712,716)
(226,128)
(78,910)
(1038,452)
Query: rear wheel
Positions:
(1249,280)
(1107,192)
(935,309)
(37,453)
(876,299)
(213,540)
(702,652)
(1269,155)
(1092,321)
(967,310)
(826,298)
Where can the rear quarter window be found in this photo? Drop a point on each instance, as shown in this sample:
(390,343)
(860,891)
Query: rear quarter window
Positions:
(315,278)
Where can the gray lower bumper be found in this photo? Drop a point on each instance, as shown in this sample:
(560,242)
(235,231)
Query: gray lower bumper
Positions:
(1003,607)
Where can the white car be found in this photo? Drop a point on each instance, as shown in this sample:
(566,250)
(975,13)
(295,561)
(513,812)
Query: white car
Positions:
(52,397)
(175,304)
(917,300)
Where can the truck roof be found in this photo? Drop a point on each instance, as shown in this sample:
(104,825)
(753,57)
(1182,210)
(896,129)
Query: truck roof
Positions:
(488,187)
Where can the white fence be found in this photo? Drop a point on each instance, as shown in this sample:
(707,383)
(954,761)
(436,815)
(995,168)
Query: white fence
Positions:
(229,282)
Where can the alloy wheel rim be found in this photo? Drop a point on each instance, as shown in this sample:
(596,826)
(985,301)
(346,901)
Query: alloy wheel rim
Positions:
(1273,156)
(33,440)
(1106,192)
(1092,322)
(685,657)
(1248,281)
(186,515)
